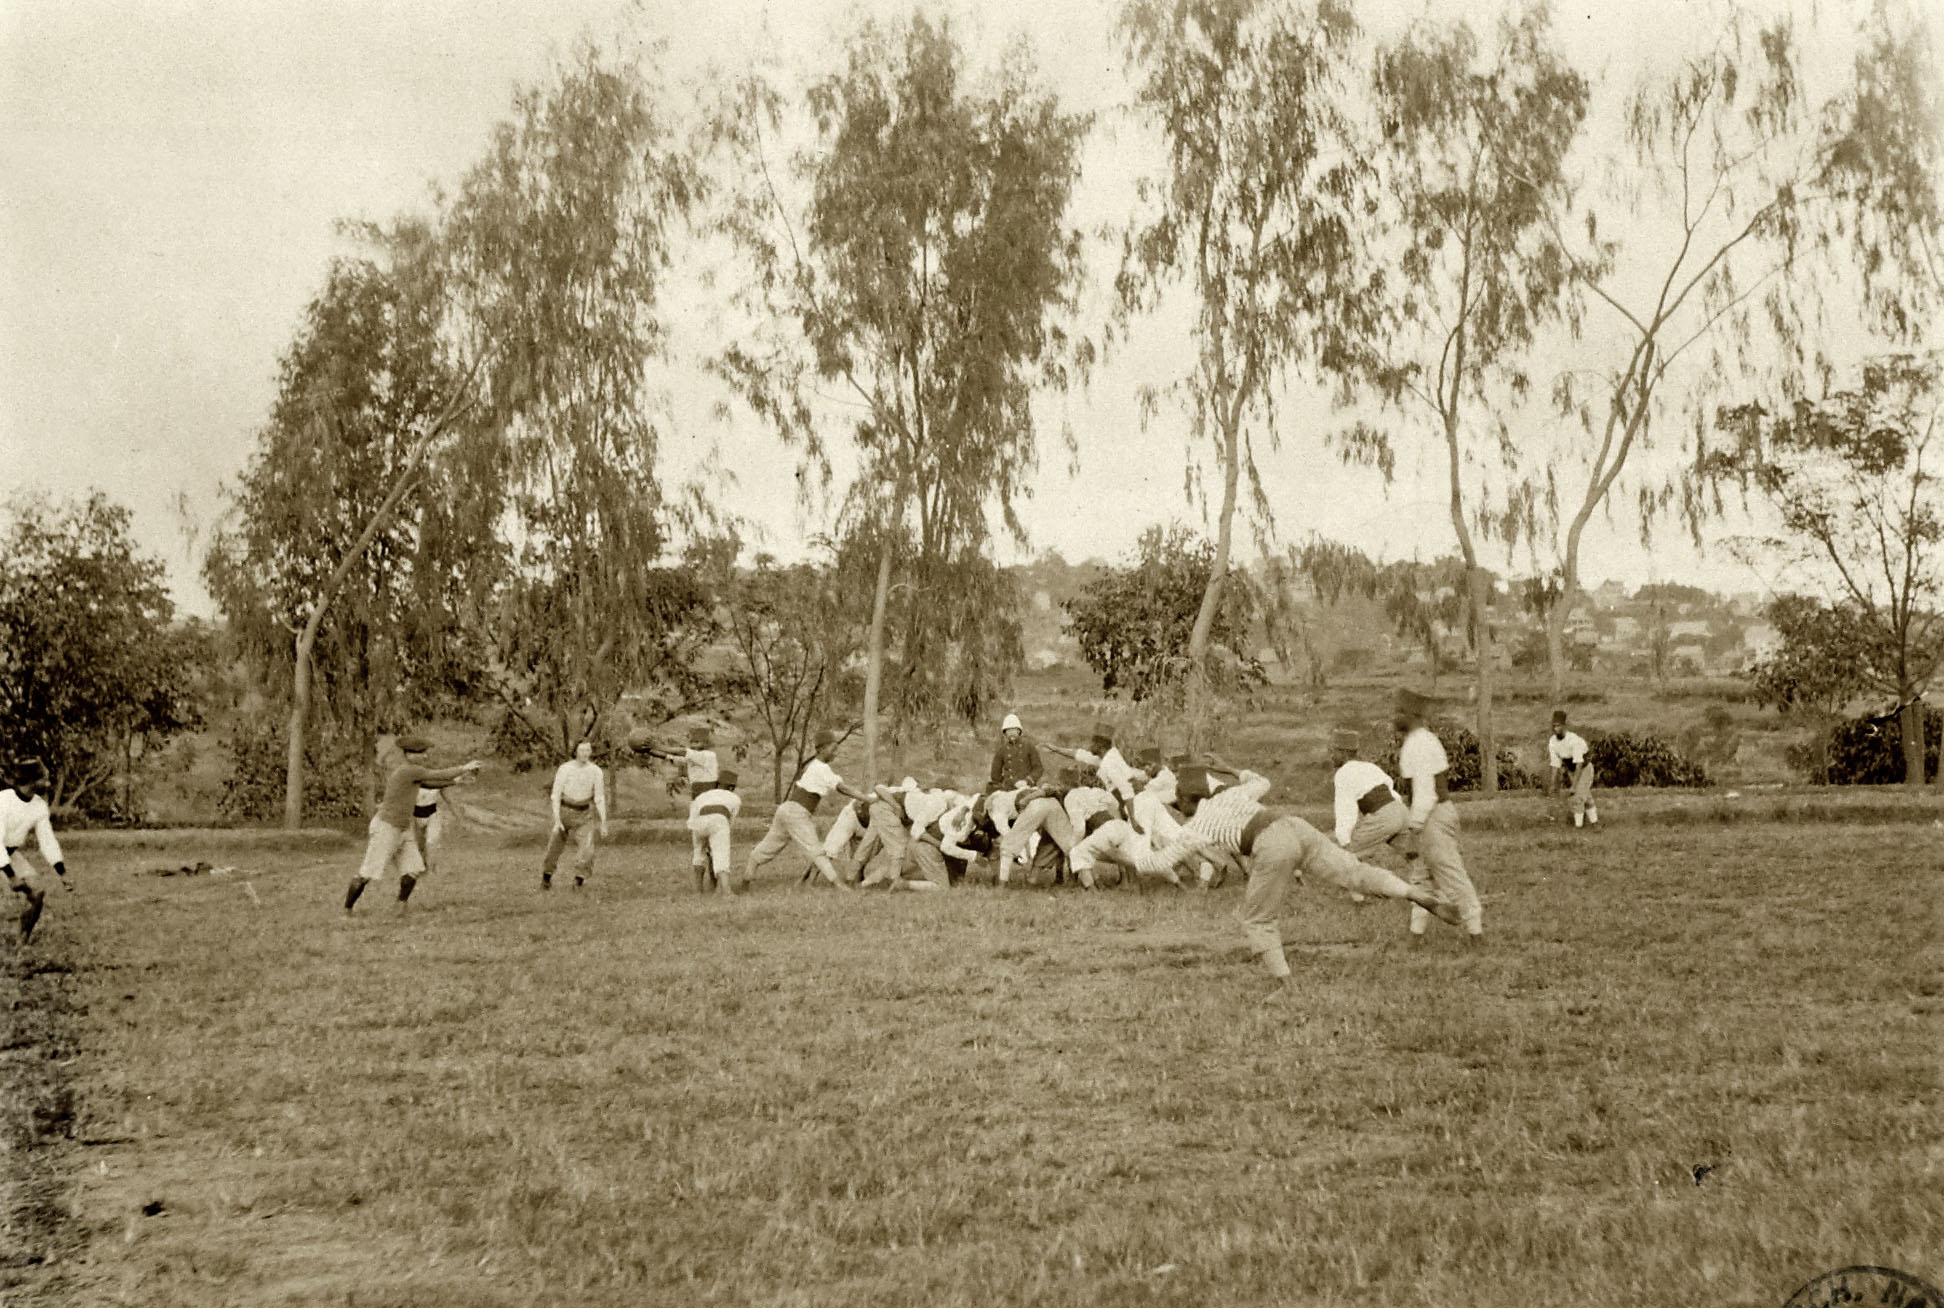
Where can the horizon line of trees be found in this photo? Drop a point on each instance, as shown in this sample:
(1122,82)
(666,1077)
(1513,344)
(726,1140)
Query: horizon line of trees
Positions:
(459,497)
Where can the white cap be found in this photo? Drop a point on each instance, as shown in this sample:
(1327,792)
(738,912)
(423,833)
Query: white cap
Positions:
(1011,723)
(909,783)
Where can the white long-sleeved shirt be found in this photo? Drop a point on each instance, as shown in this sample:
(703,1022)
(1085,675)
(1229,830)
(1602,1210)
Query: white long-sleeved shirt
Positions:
(575,783)
(1113,770)
(1002,806)
(1353,781)
(1569,748)
(1420,759)
(21,818)
(1152,814)
(1216,829)
(1082,802)
(924,807)
(954,827)
(702,766)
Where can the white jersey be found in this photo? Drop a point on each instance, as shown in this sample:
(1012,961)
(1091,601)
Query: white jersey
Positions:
(818,778)
(1112,770)
(715,799)
(702,766)
(21,818)
(1352,782)
(1421,758)
(1569,748)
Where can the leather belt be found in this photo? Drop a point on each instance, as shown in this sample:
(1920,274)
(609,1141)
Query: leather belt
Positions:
(1253,830)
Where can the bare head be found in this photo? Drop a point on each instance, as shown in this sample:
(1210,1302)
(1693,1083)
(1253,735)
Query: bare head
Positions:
(584,752)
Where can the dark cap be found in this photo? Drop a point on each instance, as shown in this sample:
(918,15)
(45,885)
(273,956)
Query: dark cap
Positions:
(726,778)
(414,744)
(1413,702)
(1346,740)
(1103,740)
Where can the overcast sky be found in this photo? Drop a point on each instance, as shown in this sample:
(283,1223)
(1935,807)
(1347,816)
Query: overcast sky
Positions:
(174,171)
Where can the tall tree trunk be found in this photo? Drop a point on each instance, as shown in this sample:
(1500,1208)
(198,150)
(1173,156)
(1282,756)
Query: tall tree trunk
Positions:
(874,663)
(1556,649)
(1481,606)
(307,638)
(1910,725)
(300,689)
(1479,590)
(1218,570)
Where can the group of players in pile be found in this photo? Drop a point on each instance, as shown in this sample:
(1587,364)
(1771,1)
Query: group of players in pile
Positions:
(1105,820)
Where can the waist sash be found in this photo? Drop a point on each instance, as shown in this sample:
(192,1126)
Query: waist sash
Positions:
(1374,799)
(719,810)
(1253,830)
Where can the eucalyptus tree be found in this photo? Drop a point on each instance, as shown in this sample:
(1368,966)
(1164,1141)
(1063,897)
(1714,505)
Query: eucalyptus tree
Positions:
(1254,214)
(1694,263)
(555,247)
(1885,164)
(919,252)
(333,568)
(1471,172)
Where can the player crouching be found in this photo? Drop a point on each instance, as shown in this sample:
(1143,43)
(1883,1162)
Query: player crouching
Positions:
(23,813)
(710,813)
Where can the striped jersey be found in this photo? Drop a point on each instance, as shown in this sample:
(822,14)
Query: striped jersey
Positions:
(1216,827)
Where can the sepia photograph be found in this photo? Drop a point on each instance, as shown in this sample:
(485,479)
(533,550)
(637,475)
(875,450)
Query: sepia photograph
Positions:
(956,653)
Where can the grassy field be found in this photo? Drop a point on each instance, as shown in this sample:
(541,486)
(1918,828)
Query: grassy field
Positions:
(1695,1064)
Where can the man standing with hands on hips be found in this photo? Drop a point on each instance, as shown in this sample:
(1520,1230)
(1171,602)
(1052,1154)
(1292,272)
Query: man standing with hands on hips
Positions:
(1423,764)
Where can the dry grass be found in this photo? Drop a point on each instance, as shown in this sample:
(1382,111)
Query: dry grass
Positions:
(635,1096)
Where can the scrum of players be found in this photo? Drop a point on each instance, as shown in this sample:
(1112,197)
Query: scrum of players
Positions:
(1099,820)
(1104,820)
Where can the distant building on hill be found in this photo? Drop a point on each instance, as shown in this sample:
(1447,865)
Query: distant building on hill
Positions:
(1608,594)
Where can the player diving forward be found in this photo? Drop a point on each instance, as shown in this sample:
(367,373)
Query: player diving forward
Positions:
(1231,825)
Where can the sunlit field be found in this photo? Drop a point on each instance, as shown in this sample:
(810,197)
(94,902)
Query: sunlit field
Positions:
(1695,1064)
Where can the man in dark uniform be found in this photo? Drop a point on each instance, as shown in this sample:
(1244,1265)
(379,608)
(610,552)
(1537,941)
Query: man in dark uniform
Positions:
(1017,759)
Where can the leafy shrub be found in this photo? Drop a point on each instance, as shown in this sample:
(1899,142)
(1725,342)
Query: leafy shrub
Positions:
(1620,759)
(1461,748)
(1715,740)
(1868,751)
(334,773)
